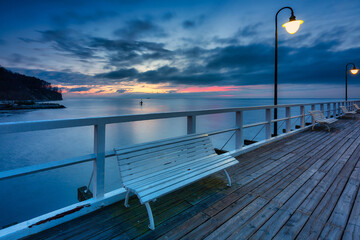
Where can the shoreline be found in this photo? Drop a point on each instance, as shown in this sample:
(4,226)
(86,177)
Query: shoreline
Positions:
(32,106)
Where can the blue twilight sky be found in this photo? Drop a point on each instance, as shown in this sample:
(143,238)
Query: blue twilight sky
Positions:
(183,48)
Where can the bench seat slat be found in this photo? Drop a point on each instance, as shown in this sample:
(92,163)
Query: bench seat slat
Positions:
(131,170)
(162,148)
(186,182)
(175,172)
(177,176)
(139,172)
(145,159)
(162,142)
(134,180)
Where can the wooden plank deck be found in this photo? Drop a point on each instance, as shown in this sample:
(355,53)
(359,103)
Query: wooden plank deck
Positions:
(305,187)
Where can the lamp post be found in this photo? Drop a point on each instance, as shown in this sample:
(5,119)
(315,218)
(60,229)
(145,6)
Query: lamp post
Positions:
(291,27)
(354,71)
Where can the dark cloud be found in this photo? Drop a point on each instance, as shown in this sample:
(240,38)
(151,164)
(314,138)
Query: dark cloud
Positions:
(68,41)
(129,52)
(116,52)
(16,58)
(27,40)
(76,18)
(121,91)
(119,74)
(63,78)
(249,30)
(79,89)
(168,16)
(226,41)
(137,29)
(193,52)
(188,24)
(241,56)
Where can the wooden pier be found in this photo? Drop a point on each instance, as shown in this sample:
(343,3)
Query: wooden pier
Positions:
(305,186)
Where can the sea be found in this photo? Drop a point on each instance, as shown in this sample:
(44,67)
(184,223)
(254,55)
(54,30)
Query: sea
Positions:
(29,196)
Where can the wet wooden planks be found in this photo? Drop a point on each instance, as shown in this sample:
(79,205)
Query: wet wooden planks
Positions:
(305,187)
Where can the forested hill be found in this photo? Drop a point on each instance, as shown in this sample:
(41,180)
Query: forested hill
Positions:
(15,86)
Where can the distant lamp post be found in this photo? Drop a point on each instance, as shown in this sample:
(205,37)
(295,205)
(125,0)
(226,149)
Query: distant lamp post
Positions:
(353,71)
(292,26)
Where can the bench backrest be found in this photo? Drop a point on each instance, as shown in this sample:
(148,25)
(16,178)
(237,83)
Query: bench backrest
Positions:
(344,109)
(149,158)
(317,115)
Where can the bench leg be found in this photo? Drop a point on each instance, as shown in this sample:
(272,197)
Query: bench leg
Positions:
(126,204)
(151,218)
(228,178)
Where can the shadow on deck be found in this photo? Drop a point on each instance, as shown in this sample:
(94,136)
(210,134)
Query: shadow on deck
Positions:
(305,186)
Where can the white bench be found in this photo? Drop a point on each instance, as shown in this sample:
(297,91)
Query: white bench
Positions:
(319,117)
(357,108)
(154,169)
(347,113)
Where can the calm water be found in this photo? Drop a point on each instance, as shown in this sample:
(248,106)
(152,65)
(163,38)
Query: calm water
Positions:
(29,196)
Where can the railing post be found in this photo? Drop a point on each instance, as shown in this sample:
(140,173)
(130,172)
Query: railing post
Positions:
(312,109)
(338,109)
(99,163)
(302,118)
(322,108)
(268,125)
(334,109)
(288,120)
(328,110)
(191,124)
(239,137)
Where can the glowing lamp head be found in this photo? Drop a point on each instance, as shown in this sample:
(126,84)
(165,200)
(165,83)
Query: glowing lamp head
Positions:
(293,25)
(354,70)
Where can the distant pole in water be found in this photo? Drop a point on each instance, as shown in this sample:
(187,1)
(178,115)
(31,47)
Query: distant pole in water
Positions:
(141,102)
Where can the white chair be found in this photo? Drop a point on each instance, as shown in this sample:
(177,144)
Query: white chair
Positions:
(319,118)
(347,113)
(357,109)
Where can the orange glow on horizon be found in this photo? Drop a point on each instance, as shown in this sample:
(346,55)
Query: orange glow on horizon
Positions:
(208,89)
(100,90)
(112,89)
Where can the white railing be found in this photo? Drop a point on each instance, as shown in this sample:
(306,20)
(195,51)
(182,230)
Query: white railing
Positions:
(99,123)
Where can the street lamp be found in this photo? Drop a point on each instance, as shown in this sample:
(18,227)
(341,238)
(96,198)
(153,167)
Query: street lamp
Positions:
(291,27)
(353,71)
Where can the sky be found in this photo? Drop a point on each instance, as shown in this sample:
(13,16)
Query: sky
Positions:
(204,48)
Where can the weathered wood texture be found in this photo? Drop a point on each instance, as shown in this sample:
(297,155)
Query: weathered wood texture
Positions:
(305,187)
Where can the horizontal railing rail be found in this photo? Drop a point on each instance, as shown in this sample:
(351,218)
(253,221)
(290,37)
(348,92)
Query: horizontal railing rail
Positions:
(13,127)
